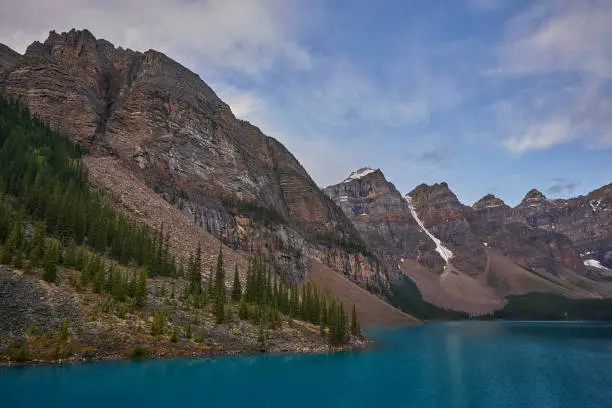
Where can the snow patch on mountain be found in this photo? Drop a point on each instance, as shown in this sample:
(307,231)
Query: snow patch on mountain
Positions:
(444,252)
(594,204)
(359,174)
(595,264)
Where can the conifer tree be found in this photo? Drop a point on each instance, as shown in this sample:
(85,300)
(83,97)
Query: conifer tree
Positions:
(236,288)
(220,289)
(201,336)
(157,327)
(37,251)
(132,285)
(141,292)
(13,242)
(243,311)
(18,258)
(355,329)
(188,331)
(195,271)
(50,262)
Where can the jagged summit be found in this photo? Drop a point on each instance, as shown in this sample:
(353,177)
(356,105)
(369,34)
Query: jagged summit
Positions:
(8,57)
(356,175)
(488,201)
(534,196)
(425,191)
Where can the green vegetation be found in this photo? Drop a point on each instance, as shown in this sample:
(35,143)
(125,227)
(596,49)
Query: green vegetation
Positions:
(266,216)
(549,306)
(140,352)
(236,287)
(406,296)
(52,219)
(42,183)
(219,289)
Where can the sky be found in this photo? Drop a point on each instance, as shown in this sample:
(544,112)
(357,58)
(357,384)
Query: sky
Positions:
(490,96)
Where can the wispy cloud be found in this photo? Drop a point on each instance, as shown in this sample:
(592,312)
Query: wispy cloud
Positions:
(565,48)
(562,185)
(435,157)
(246,35)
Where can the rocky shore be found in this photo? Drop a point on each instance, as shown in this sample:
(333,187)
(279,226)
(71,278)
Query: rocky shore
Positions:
(45,323)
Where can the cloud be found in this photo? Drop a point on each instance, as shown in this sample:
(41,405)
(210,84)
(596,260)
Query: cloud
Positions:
(245,35)
(244,104)
(555,61)
(436,157)
(540,136)
(559,37)
(562,186)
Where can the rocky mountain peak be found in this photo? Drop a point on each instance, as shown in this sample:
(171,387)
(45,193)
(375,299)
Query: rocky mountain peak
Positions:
(8,57)
(534,196)
(361,173)
(435,193)
(488,201)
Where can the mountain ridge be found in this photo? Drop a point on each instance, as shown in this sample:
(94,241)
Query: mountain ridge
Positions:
(474,234)
(160,122)
(167,127)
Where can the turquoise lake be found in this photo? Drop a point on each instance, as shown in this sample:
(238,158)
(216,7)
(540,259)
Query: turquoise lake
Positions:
(464,364)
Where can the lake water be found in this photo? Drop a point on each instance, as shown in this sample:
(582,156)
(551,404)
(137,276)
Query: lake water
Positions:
(467,364)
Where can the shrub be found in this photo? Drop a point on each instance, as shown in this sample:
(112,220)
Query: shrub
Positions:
(140,351)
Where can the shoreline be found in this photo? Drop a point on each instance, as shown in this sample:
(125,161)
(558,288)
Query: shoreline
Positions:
(362,345)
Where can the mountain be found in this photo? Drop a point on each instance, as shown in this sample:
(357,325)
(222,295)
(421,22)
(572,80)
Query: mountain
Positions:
(171,152)
(383,218)
(148,121)
(8,57)
(469,258)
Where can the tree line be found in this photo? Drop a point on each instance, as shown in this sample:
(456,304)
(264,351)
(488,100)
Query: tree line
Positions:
(50,217)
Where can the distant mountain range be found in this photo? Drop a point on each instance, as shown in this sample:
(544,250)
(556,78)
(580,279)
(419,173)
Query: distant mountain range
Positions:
(469,258)
(155,131)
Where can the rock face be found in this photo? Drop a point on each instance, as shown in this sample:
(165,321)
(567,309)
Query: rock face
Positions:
(384,220)
(585,222)
(171,130)
(469,258)
(8,58)
(446,218)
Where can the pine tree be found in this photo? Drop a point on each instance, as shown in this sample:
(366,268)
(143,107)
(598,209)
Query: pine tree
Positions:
(355,329)
(243,311)
(13,242)
(132,288)
(37,251)
(157,327)
(220,290)
(174,337)
(236,288)
(50,262)
(201,336)
(261,338)
(18,258)
(141,292)
(188,331)
(195,271)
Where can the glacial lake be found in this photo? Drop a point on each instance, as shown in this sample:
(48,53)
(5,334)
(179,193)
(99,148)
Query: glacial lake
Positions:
(463,364)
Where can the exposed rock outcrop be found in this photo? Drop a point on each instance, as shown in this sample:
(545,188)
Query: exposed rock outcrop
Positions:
(8,58)
(169,128)
(443,215)
(383,218)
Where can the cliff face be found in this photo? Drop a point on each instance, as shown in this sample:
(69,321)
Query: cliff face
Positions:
(447,219)
(8,58)
(162,122)
(384,220)
(469,258)
(585,222)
